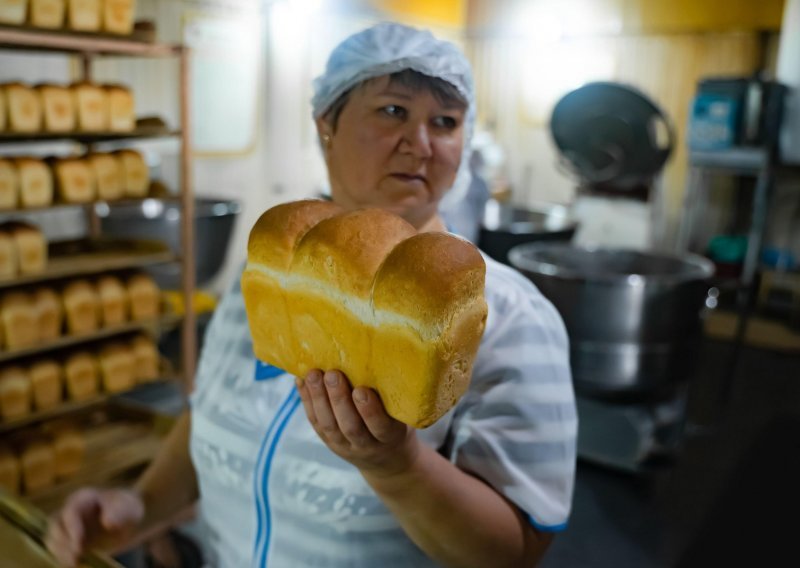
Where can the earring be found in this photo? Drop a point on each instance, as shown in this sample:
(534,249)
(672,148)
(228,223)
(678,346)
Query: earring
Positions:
(326,139)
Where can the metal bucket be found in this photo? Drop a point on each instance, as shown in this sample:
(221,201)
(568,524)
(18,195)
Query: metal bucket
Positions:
(160,220)
(633,318)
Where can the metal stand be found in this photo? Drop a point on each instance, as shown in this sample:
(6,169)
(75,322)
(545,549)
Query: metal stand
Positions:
(752,162)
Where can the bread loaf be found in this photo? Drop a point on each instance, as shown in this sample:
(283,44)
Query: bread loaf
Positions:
(47,13)
(107,175)
(9,470)
(69,448)
(81,376)
(113,301)
(47,383)
(13,12)
(145,354)
(8,255)
(74,180)
(117,367)
(20,325)
(9,184)
(396,311)
(31,246)
(24,108)
(83,15)
(118,16)
(121,109)
(58,108)
(81,307)
(135,175)
(49,313)
(3,106)
(144,297)
(15,393)
(91,105)
(38,466)
(35,182)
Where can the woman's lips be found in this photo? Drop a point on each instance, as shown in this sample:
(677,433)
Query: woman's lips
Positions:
(408,177)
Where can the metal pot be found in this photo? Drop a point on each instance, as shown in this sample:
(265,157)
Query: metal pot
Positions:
(505,226)
(633,318)
(160,219)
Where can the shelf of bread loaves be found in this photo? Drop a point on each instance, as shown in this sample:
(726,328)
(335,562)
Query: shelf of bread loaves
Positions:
(84,111)
(45,462)
(28,183)
(77,311)
(107,16)
(46,387)
(81,257)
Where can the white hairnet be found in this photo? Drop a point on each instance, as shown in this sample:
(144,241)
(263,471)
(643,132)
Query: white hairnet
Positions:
(388,48)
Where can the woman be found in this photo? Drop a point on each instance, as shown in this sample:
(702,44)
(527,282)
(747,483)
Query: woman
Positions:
(340,483)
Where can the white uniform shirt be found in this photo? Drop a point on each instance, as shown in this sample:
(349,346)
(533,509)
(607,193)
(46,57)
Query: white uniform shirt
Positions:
(272,494)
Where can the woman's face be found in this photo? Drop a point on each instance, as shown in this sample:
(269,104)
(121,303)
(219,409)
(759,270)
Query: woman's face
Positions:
(394,147)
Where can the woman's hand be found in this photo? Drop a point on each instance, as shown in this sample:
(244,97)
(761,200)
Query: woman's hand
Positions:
(93,517)
(355,426)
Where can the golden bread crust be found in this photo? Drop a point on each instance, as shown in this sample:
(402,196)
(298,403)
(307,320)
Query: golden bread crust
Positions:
(362,292)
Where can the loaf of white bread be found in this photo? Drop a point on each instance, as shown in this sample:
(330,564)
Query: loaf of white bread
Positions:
(23,108)
(13,12)
(10,474)
(58,108)
(364,293)
(47,13)
(35,182)
(15,393)
(107,171)
(81,376)
(84,15)
(74,180)
(9,184)
(47,383)
(19,319)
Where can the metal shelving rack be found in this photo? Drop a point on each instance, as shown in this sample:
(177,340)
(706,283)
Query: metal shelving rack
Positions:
(762,165)
(88,47)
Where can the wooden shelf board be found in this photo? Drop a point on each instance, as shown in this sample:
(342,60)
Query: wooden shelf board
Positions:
(761,333)
(69,407)
(141,132)
(124,202)
(81,258)
(166,322)
(66,41)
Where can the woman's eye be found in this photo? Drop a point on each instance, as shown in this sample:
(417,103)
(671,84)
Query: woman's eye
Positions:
(445,122)
(394,110)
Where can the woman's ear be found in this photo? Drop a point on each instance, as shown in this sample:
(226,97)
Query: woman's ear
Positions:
(324,131)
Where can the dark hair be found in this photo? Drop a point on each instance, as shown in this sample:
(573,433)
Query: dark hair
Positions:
(444,92)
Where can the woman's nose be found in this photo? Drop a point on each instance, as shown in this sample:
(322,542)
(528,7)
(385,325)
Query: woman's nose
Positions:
(416,140)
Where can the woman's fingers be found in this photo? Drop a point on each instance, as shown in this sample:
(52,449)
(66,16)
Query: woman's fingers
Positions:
(326,425)
(305,396)
(347,417)
(383,427)
(328,402)
(58,543)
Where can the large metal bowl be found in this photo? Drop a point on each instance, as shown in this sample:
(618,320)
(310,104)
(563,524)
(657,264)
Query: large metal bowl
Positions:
(505,226)
(160,220)
(633,317)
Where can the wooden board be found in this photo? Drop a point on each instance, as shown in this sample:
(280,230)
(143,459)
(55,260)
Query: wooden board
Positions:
(760,332)
(139,43)
(89,137)
(85,257)
(22,531)
(119,438)
(70,407)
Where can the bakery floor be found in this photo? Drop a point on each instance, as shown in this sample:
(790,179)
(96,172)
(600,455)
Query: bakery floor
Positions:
(729,498)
